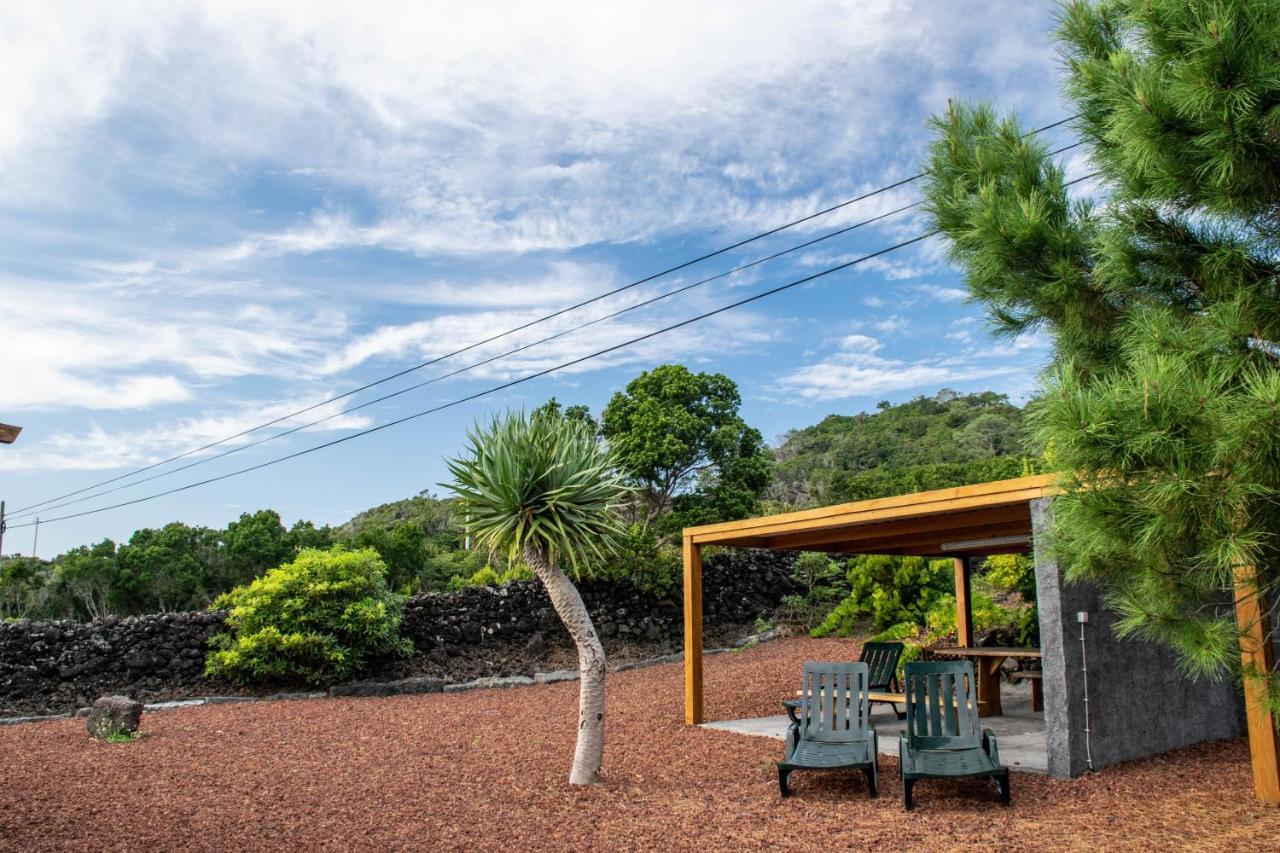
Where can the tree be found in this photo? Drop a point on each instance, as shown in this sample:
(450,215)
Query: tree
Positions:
(255,544)
(403,547)
(88,574)
(165,569)
(22,583)
(1162,407)
(679,433)
(570,413)
(545,488)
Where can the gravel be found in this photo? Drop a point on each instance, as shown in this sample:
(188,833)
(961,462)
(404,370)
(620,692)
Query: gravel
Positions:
(488,769)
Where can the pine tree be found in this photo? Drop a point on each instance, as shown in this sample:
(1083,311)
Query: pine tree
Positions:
(1162,405)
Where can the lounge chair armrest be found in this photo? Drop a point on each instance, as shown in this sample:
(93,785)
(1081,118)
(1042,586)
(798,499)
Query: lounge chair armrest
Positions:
(989,745)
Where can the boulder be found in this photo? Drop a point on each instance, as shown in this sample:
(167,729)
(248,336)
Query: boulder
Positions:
(114,715)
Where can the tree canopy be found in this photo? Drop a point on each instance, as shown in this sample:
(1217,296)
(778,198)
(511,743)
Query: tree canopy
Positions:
(681,440)
(1162,408)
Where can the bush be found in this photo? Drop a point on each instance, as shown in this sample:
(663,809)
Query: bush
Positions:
(489,576)
(644,562)
(320,618)
(822,581)
(889,591)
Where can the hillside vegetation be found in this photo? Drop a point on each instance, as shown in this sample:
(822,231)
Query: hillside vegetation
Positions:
(945,440)
(709,466)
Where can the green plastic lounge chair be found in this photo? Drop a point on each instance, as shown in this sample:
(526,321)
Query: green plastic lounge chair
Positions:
(941,740)
(882,674)
(882,662)
(833,730)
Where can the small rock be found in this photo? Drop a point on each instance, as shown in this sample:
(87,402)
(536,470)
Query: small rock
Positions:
(555,676)
(114,715)
(489,682)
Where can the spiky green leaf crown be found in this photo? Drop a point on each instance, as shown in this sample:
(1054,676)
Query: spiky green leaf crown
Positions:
(540,480)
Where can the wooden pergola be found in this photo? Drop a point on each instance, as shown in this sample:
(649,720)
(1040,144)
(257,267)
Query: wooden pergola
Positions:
(963,522)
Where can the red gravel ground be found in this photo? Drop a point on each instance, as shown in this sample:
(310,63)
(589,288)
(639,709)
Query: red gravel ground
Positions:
(488,770)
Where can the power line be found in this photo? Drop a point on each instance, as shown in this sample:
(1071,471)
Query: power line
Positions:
(476,364)
(502,387)
(493,390)
(519,328)
(416,386)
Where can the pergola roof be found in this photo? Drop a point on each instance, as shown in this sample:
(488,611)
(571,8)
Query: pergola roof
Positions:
(985,518)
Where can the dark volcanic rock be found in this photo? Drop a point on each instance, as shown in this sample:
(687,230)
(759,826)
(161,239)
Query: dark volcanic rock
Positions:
(114,715)
(52,667)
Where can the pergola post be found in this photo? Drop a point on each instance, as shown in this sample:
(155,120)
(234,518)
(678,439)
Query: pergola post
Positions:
(1257,654)
(692,632)
(964,604)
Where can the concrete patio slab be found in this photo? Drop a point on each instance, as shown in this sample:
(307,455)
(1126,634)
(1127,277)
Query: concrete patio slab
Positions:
(1020,732)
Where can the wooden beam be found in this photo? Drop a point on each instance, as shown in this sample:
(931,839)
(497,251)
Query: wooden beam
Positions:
(931,540)
(1257,654)
(952,523)
(692,632)
(772,526)
(1016,490)
(964,604)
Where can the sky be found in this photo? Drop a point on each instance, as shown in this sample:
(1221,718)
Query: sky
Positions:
(213,215)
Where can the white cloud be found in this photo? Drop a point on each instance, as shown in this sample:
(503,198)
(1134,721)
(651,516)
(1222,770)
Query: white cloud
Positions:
(82,351)
(502,128)
(944,294)
(101,448)
(891,324)
(856,371)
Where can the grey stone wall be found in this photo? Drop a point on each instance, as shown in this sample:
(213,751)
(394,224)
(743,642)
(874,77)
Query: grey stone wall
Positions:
(1140,703)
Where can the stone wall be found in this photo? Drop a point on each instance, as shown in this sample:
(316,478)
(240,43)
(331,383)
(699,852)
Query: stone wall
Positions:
(59,666)
(738,587)
(50,667)
(1140,703)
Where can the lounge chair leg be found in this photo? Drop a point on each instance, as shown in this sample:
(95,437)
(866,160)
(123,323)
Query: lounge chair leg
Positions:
(871,781)
(902,715)
(907,801)
(783,776)
(1002,786)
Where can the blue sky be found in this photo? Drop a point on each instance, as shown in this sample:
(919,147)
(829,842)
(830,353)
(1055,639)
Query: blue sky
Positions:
(213,215)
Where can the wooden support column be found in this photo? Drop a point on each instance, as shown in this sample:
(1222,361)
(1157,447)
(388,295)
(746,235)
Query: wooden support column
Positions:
(692,632)
(964,604)
(1257,654)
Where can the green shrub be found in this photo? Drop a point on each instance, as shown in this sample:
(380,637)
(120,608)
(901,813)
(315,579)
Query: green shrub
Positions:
(489,576)
(987,614)
(888,591)
(320,618)
(822,580)
(644,562)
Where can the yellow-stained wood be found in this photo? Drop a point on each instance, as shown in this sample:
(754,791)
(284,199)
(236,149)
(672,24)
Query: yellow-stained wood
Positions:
(964,604)
(948,525)
(932,538)
(776,525)
(1257,653)
(1039,485)
(692,632)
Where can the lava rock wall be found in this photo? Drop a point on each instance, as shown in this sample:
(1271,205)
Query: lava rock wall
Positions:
(58,666)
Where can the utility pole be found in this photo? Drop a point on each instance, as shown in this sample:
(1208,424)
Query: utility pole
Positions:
(35,540)
(8,435)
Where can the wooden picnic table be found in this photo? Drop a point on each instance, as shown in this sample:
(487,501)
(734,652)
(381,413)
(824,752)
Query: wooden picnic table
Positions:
(988,660)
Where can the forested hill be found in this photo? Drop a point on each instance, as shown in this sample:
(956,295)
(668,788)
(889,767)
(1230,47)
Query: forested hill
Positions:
(929,442)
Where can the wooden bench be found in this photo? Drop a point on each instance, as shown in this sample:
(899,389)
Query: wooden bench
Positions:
(1036,677)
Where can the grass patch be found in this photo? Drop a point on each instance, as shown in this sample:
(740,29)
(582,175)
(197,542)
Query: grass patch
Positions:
(122,737)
